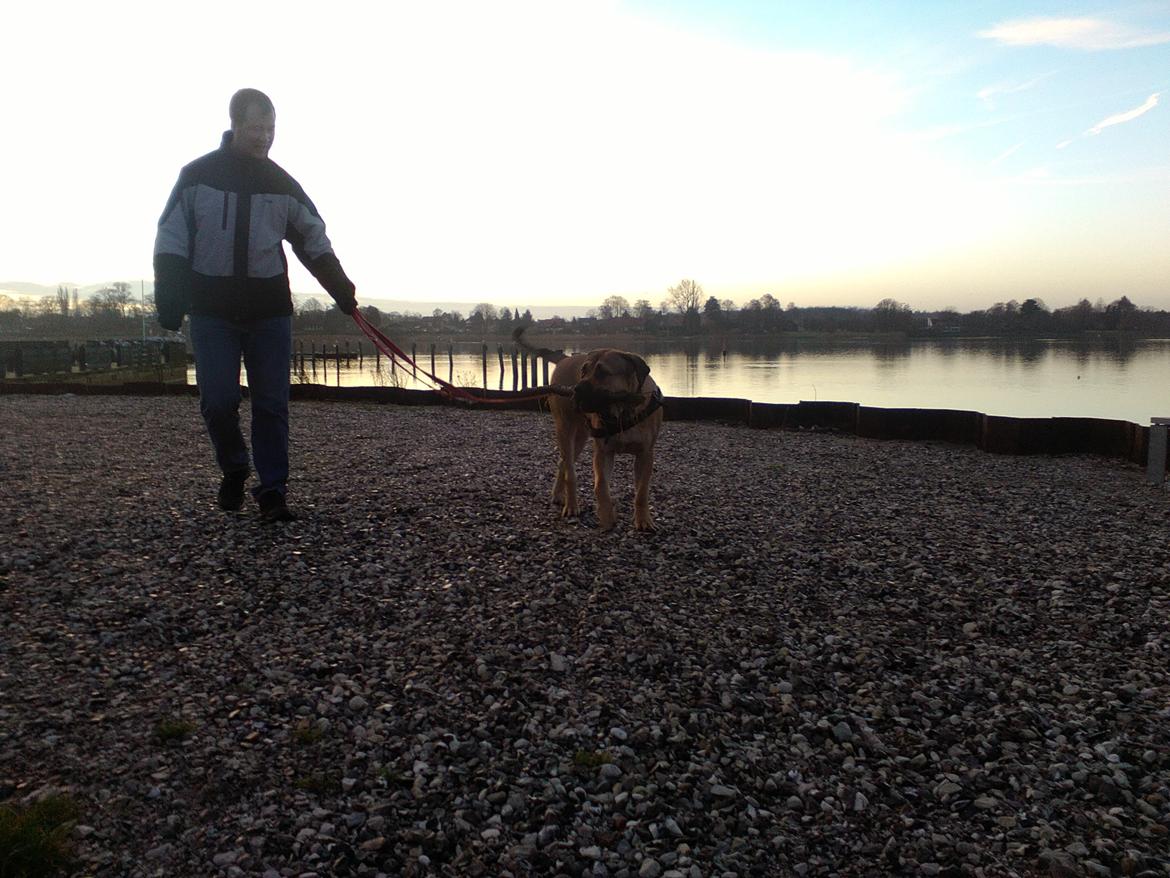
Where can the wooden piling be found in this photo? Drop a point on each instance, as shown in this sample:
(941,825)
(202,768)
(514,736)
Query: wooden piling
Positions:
(485,365)
(433,358)
(515,376)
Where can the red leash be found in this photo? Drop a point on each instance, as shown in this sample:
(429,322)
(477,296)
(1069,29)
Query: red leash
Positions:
(391,350)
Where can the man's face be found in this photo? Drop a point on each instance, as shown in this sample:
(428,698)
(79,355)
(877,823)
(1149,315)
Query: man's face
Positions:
(253,135)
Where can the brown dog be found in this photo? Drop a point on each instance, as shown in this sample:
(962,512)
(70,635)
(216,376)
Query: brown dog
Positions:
(615,401)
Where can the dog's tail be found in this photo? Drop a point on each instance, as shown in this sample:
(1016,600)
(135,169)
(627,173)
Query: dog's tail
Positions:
(546,353)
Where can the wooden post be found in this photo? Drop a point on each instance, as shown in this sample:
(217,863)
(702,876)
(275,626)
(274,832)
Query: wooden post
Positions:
(360,356)
(534,372)
(545,371)
(485,365)
(337,353)
(523,369)
(500,351)
(450,363)
(413,360)
(433,358)
(324,363)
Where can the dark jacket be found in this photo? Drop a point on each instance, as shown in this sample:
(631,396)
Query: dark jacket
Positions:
(218,251)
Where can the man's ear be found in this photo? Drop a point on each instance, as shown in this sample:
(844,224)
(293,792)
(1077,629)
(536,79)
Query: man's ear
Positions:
(639,366)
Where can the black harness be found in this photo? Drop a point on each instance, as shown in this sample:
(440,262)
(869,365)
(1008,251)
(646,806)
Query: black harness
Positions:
(612,426)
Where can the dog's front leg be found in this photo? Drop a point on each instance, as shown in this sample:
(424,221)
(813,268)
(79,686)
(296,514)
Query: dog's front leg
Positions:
(643,469)
(602,468)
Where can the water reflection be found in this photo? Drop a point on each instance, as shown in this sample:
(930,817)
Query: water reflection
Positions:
(1109,378)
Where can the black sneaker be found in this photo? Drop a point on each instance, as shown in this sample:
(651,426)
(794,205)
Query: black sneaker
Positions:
(274,508)
(231,491)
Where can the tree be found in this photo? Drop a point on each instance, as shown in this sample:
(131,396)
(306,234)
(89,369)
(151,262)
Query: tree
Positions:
(113,300)
(890,315)
(311,306)
(713,311)
(63,300)
(614,306)
(1120,314)
(1032,307)
(643,310)
(484,313)
(685,297)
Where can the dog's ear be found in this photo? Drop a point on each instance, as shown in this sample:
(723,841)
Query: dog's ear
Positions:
(639,366)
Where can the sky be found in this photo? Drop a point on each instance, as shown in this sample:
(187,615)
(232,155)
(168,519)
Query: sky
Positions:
(945,154)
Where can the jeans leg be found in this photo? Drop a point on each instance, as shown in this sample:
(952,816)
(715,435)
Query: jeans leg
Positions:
(267,353)
(217,346)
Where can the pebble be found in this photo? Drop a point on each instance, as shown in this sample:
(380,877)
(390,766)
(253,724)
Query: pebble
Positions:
(431,673)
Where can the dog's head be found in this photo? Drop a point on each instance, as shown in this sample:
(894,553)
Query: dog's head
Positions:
(609,380)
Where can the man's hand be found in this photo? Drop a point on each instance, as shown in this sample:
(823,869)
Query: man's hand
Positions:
(347,304)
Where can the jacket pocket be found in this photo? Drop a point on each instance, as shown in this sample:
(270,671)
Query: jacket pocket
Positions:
(269,222)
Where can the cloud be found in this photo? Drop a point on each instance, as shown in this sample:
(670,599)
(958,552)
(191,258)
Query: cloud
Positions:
(1089,34)
(1010,151)
(990,93)
(1116,119)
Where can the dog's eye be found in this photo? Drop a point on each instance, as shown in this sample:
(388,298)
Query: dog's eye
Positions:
(599,372)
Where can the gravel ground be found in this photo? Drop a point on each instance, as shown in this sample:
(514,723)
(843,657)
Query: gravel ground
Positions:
(836,656)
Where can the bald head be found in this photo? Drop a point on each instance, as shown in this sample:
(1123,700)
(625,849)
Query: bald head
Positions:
(253,123)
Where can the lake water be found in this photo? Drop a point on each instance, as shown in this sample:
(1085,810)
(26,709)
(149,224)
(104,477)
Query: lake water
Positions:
(1127,380)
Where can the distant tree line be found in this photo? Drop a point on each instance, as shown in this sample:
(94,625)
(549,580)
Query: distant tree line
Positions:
(684,311)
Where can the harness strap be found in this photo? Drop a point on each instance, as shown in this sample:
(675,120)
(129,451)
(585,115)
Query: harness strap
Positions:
(614,426)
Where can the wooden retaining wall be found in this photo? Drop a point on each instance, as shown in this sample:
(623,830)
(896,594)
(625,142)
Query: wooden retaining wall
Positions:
(992,433)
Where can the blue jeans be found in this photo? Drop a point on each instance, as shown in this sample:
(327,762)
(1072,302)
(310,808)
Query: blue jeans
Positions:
(266,346)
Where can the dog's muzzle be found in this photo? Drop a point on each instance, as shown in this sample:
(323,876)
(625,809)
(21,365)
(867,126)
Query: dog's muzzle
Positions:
(589,398)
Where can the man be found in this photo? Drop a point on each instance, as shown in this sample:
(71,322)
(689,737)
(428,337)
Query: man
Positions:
(219,257)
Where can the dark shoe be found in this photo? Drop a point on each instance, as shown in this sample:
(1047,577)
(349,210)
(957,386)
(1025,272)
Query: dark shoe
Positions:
(231,491)
(274,508)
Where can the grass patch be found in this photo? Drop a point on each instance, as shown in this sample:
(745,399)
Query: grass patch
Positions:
(591,759)
(391,776)
(34,840)
(319,783)
(169,730)
(307,735)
